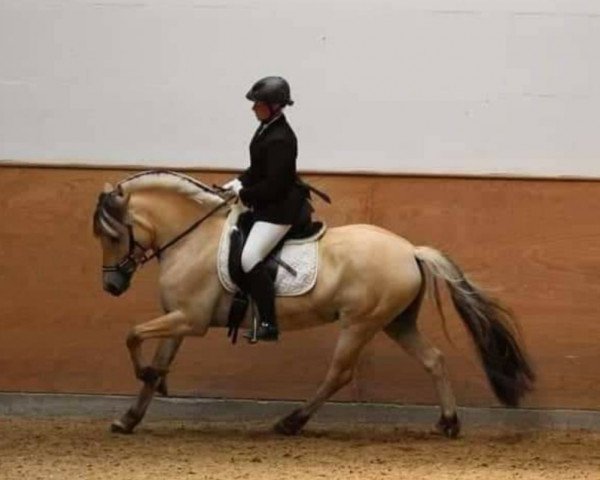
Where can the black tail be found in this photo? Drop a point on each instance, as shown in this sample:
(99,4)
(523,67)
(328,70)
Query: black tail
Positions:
(492,327)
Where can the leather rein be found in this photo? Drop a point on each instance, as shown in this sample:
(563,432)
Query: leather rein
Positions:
(129,263)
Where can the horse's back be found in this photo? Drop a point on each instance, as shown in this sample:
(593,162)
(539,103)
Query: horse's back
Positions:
(369,263)
(361,237)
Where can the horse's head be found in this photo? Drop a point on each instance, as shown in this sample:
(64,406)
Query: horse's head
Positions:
(148,212)
(113,226)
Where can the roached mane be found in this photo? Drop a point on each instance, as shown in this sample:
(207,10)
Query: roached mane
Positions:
(169,180)
(107,211)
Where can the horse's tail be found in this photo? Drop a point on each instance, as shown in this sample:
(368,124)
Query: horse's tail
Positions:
(492,327)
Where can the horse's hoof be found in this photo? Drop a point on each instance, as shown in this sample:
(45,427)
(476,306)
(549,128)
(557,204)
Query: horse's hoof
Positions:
(449,426)
(118,427)
(126,423)
(292,424)
(148,375)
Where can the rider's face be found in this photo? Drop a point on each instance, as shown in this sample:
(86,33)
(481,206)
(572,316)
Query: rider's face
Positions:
(261,110)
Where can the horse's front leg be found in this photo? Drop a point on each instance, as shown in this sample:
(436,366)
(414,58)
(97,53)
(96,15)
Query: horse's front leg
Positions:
(165,353)
(172,325)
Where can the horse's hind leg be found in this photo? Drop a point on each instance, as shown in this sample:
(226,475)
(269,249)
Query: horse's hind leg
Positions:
(165,353)
(350,343)
(404,331)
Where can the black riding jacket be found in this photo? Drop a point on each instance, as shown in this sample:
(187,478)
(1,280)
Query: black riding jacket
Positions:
(270,184)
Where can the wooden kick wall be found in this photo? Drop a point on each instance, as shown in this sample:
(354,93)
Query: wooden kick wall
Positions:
(534,243)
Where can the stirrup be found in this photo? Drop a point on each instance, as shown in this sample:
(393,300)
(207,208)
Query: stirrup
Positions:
(251,335)
(261,331)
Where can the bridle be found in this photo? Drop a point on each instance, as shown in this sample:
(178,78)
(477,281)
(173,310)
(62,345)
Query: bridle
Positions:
(130,262)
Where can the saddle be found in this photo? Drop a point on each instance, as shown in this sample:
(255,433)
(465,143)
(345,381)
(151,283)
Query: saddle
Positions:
(292,264)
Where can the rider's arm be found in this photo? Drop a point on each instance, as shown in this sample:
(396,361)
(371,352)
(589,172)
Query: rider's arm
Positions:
(281,174)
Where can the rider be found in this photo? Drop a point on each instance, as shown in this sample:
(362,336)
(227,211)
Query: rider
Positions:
(270,187)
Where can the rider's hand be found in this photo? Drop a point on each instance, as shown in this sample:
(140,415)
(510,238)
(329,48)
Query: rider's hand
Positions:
(234,185)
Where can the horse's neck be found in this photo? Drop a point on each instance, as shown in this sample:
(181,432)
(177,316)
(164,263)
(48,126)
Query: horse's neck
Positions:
(171,214)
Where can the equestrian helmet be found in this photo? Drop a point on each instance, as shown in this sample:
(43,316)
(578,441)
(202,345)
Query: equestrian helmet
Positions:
(271,90)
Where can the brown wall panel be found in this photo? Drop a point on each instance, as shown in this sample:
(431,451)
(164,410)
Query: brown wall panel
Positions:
(534,243)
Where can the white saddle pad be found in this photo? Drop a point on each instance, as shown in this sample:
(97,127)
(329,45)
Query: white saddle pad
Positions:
(302,255)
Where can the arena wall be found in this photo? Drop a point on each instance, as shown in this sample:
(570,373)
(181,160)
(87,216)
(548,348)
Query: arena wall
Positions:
(472,125)
(534,243)
(395,86)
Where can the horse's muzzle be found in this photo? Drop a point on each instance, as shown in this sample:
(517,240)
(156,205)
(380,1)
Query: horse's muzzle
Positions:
(116,283)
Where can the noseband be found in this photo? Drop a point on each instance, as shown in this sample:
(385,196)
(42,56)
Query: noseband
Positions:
(129,263)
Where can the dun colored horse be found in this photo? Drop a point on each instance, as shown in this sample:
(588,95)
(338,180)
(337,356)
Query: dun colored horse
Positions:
(369,280)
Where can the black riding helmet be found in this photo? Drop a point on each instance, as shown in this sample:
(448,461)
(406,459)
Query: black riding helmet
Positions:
(271,90)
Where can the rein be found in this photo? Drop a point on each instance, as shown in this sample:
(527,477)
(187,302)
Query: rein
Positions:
(188,230)
(129,263)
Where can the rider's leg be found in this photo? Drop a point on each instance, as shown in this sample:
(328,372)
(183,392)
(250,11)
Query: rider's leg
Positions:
(262,239)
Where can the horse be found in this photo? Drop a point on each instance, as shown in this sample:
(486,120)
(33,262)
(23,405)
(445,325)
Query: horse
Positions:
(369,280)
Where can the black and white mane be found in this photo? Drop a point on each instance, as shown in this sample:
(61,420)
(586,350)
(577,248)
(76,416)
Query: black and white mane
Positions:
(108,211)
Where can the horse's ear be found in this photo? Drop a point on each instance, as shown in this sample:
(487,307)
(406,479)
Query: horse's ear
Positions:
(121,198)
(108,188)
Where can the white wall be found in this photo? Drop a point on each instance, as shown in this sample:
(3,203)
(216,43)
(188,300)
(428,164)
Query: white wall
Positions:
(438,86)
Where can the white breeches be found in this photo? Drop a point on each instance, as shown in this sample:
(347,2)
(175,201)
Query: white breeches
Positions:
(262,239)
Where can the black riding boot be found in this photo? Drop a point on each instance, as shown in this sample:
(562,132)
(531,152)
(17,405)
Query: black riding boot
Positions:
(262,290)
